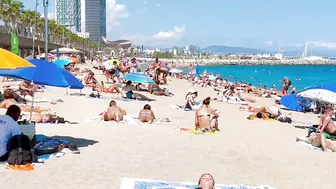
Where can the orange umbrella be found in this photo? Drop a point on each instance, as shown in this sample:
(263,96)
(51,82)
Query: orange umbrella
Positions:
(9,60)
(74,60)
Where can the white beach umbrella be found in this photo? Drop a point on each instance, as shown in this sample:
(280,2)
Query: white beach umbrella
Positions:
(320,95)
(175,70)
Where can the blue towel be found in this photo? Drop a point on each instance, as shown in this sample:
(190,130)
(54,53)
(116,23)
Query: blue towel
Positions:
(155,184)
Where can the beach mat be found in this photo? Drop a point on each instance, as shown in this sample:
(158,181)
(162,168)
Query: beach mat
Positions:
(194,131)
(128,183)
(311,147)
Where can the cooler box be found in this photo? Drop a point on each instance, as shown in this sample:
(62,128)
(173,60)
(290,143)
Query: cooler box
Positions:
(28,129)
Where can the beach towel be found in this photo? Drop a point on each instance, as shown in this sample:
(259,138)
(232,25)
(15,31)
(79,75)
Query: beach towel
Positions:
(304,124)
(311,147)
(128,119)
(128,183)
(194,131)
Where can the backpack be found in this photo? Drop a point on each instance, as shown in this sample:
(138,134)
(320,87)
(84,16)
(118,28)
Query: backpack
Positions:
(20,150)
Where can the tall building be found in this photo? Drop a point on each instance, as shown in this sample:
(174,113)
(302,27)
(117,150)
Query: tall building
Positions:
(93,19)
(65,12)
(78,15)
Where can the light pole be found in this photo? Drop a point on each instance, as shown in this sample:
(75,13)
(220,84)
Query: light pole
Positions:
(34,32)
(46,4)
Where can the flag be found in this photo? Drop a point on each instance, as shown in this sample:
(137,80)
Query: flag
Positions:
(57,53)
(14,44)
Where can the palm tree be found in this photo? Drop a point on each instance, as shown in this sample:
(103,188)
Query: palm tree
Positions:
(20,21)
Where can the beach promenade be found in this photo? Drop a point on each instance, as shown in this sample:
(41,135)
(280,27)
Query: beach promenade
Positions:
(250,152)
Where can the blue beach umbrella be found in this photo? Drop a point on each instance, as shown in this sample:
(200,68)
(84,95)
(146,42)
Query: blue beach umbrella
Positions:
(197,70)
(62,62)
(45,73)
(138,78)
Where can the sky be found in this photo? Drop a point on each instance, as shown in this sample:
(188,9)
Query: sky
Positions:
(266,24)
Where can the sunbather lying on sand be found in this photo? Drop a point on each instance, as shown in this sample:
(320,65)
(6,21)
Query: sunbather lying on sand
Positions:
(206,181)
(128,93)
(206,119)
(27,90)
(156,90)
(318,140)
(110,89)
(264,112)
(146,115)
(9,100)
(114,113)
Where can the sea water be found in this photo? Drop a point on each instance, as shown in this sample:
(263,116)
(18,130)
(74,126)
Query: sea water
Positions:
(301,76)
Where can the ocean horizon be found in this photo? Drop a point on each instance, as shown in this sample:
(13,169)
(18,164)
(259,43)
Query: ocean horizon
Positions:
(301,76)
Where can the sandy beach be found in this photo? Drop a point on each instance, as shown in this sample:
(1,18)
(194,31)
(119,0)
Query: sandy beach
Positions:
(250,152)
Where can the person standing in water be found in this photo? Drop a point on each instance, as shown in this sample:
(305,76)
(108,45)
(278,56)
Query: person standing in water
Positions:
(286,83)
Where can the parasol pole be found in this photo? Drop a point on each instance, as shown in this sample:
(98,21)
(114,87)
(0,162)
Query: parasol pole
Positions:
(32,105)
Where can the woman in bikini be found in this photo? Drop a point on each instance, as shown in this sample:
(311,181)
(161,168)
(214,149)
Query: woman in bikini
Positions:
(206,119)
(9,100)
(156,90)
(90,80)
(146,115)
(111,89)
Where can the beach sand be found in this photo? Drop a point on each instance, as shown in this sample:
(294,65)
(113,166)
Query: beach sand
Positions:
(250,152)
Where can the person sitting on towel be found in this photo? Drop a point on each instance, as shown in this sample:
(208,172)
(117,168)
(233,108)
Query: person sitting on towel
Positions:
(146,115)
(206,181)
(128,93)
(114,113)
(318,140)
(9,100)
(190,103)
(326,123)
(8,128)
(206,119)
(90,80)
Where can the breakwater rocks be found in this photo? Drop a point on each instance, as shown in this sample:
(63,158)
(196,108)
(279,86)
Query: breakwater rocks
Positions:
(251,62)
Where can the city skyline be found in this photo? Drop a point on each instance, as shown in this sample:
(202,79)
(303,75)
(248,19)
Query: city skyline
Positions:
(271,25)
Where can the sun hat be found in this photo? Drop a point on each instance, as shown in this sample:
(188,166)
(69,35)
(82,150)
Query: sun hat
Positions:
(190,91)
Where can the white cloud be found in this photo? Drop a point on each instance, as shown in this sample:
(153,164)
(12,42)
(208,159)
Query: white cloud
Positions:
(175,33)
(51,15)
(331,45)
(269,43)
(143,10)
(114,12)
(162,38)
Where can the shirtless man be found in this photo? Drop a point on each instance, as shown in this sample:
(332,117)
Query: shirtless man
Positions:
(114,112)
(326,123)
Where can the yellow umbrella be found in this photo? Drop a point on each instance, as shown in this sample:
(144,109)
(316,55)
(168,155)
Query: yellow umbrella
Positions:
(9,60)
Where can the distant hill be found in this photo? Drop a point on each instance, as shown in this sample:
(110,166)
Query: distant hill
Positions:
(222,49)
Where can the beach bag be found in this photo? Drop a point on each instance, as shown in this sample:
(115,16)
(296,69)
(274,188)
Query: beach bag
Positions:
(20,150)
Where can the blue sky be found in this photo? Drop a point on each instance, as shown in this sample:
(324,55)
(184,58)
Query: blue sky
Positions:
(250,23)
